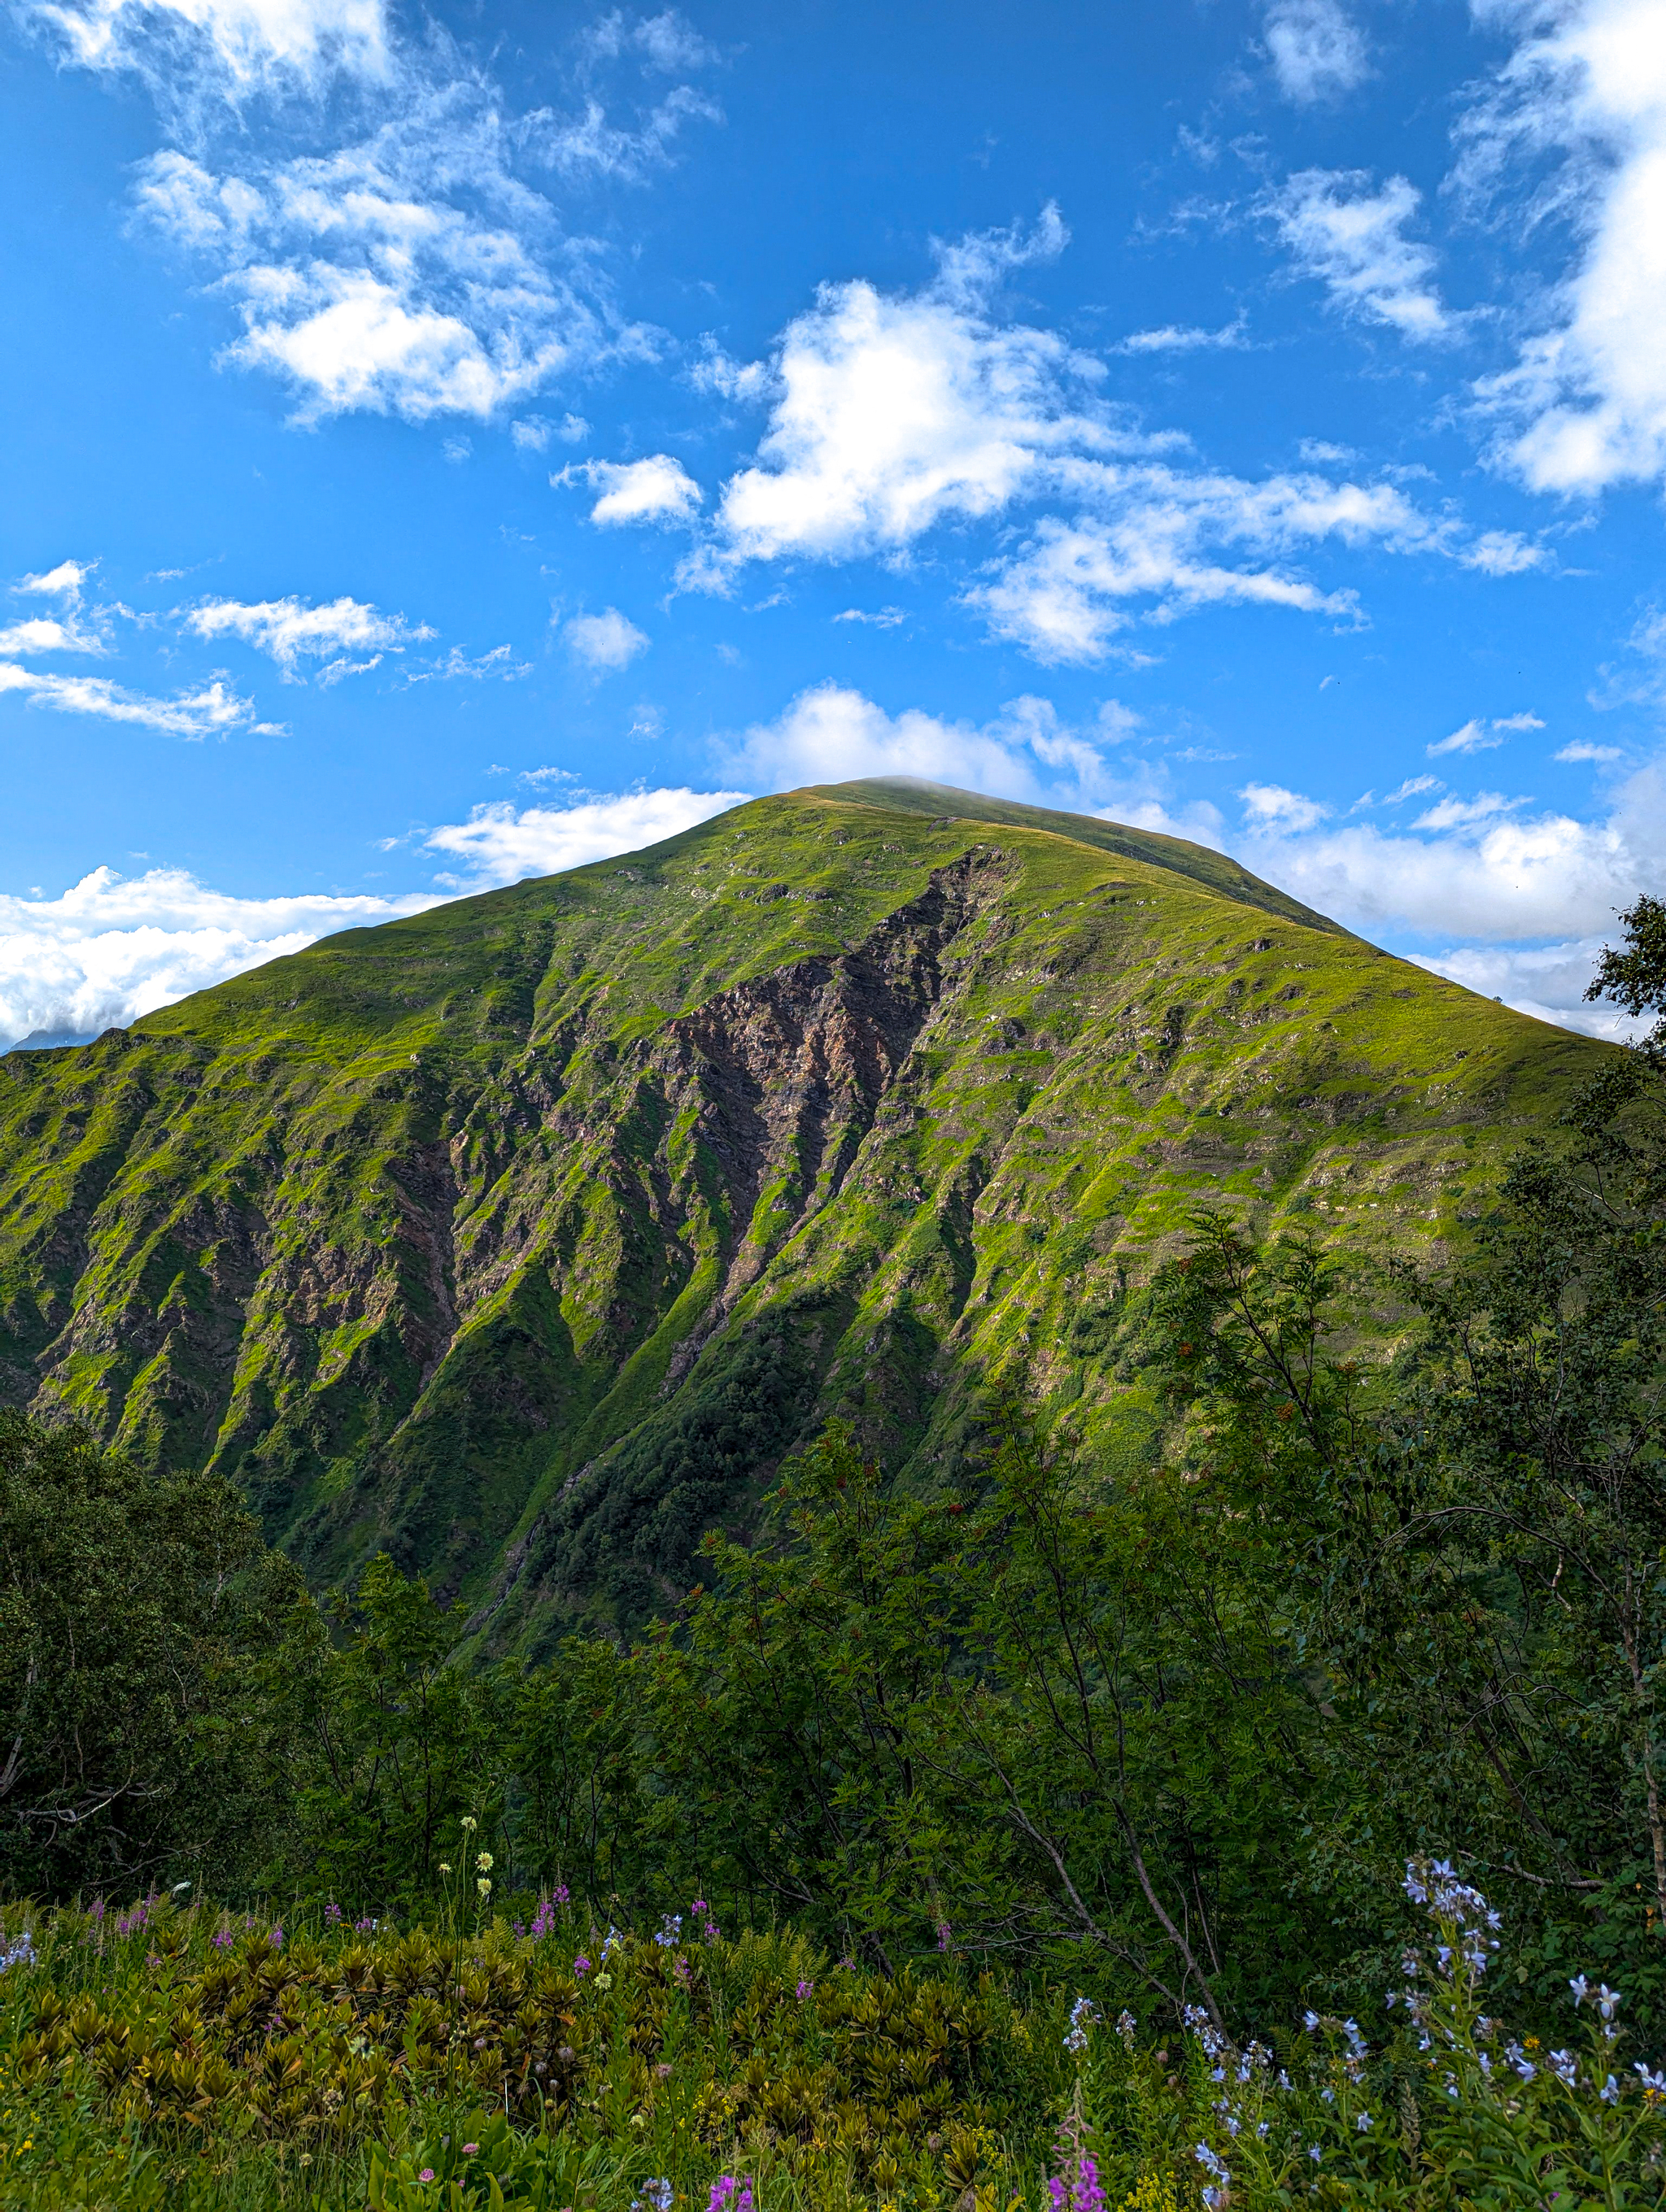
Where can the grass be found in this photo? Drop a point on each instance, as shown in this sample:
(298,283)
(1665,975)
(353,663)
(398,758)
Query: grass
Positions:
(407,1233)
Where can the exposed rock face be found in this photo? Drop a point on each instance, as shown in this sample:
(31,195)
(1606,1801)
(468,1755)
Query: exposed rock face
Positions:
(525,1238)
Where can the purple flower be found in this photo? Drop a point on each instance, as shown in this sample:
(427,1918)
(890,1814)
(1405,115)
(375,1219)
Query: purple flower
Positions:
(332,1913)
(580,1966)
(221,1939)
(275,1939)
(365,1927)
(944,1935)
(560,1892)
(806,1989)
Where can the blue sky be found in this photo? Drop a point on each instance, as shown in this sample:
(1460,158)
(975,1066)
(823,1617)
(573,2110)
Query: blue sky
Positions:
(448,447)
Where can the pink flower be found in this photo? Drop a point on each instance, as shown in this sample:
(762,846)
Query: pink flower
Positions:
(469,2149)
(426,2174)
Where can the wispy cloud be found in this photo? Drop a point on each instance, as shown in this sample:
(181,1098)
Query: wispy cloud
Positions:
(1482,733)
(293,631)
(1352,239)
(211,710)
(413,268)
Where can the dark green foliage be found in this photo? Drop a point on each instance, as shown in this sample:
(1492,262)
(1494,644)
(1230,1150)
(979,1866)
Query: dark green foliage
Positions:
(143,1711)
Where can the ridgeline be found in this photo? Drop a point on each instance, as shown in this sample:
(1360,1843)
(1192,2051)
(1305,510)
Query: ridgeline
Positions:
(522,1239)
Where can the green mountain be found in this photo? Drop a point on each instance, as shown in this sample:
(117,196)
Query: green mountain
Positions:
(522,1238)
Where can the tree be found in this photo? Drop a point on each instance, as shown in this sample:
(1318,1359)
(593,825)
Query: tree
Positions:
(141,1619)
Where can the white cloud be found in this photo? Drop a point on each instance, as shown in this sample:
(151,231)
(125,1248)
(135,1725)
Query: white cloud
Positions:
(235,47)
(110,950)
(1481,734)
(1316,51)
(45,634)
(832,733)
(1499,877)
(498,661)
(1412,787)
(499,845)
(291,630)
(1064,594)
(1548,980)
(880,618)
(896,416)
(1455,813)
(533,433)
(1580,750)
(67,582)
(209,711)
(1174,337)
(605,642)
(1352,239)
(1269,805)
(590,143)
(657,489)
(1587,397)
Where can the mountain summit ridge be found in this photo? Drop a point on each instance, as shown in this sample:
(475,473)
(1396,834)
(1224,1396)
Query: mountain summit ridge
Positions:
(524,1236)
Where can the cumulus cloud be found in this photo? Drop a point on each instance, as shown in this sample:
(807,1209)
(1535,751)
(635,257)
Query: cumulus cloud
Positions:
(1547,981)
(1532,892)
(110,949)
(210,710)
(499,844)
(657,489)
(414,267)
(605,642)
(291,630)
(1317,50)
(895,416)
(1585,403)
(1352,239)
(66,581)
(832,733)
(46,634)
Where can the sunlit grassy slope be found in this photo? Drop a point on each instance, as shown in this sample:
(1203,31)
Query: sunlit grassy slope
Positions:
(522,1237)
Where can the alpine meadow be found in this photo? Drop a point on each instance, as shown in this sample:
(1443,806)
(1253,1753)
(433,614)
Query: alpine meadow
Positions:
(833,1106)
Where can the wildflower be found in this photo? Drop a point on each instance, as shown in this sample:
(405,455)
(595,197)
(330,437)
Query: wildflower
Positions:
(426,2174)
(1211,2162)
(332,1913)
(469,2149)
(1315,2153)
(1608,2001)
(445,1866)
(1126,2025)
(1609,2092)
(1519,2059)
(1084,2014)
(580,1966)
(659,2194)
(560,1892)
(1309,2022)
(1363,2122)
(468,1824)
(275,1939)
(670,1931)
(1581,1989)
(366,1927)
(1561,2064)
(806,1989)
(19,1953)
(221,1939)
(1654,2084)
(483,1863)
(484,1886)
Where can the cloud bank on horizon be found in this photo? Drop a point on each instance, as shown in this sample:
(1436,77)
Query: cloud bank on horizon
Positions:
(1287,478)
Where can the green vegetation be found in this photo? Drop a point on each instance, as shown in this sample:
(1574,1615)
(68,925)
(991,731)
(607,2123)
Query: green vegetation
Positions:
(1028,1801)
(524,1240)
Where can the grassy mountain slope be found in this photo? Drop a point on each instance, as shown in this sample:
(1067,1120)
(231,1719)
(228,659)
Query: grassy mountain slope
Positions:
(523,1237)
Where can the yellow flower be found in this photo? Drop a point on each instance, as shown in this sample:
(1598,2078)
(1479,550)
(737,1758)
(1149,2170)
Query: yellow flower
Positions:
(484,1862)
(468,1824)
(445,1866)
(484,1886)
